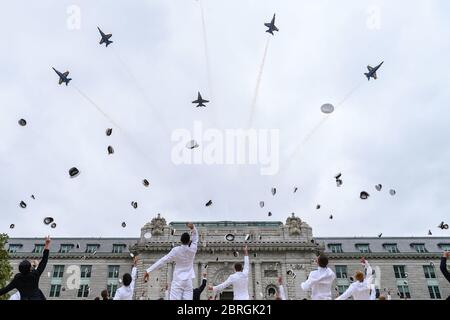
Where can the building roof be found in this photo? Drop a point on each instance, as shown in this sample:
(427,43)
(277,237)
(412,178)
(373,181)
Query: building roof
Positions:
(404,244)
(227,224)
(79,244)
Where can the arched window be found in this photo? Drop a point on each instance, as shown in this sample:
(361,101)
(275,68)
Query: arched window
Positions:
(271,292)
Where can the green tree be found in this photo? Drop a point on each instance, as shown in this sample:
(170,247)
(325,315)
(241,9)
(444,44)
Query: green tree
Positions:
(5,267)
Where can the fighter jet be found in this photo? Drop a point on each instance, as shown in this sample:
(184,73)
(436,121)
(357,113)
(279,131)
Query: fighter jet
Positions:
(105,37)
(200,101)
(63,76)
(373,72)
(271,25)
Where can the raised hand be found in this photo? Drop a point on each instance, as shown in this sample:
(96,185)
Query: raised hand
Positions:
(47,242)
(190,225)
(245,250)
(146,276)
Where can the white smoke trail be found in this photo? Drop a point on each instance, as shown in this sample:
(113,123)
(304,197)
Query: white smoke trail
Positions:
(205,45)
(86,97)
(124,133)
(308,136)
(141,91)
(258,82)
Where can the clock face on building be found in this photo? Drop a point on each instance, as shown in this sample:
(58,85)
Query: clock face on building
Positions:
(147,235)
(229,237)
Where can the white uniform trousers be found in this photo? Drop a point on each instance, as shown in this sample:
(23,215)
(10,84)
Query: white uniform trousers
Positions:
(181,290)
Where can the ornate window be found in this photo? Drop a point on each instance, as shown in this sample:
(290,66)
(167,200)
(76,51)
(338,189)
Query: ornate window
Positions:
(335,247)
(363,247)
(270,273)
(14,247)
(341,272)
(38,248)
(271,292)
(419,247)
(391,247)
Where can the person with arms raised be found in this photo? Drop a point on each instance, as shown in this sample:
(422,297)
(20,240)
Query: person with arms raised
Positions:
(360,289)
(27,280)
(125,292)
(183,256)
(319,281)
(444,269)
(239,280)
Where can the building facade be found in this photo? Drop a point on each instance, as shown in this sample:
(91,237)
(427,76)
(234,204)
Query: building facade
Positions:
(80,268)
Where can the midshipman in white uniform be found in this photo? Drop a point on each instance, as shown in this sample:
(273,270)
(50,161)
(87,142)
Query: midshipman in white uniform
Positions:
(183,256)
(239,280)
(281,294)
(125,292)
(361,288)
(319,281)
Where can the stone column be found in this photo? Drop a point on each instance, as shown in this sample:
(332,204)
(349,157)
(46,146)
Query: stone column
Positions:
(257,281)
(284,276)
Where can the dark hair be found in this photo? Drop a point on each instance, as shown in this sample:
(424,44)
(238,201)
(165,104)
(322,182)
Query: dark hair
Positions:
(185,238)
(104,294)
(25,267)
(238,267)
(97,298)
(322,260)
(126,279)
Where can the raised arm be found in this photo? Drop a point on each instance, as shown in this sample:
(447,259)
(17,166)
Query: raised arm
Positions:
(369,273)
(8,288)
(306,285)
(133,278)
(202,286)
(347,294)
(161,262)
(223,285)
(194,236)
(443,266)
(134,272)
(282,292)
(43,263)
(246,262)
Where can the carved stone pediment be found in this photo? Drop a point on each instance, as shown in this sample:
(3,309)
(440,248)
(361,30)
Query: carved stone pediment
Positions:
(294,225)
(157,226)
(221,275)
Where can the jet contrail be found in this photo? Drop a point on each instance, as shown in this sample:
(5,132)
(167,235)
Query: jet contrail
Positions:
(125,134)
(85,96)
(258,82)
(205,43)
(141,91)
(321,122)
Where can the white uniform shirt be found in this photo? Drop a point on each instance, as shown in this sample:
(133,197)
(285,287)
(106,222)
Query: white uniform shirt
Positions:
(319,281)
(239,280)
(183,256)
(282,292)
(360,290)
(126,292)
(15,296)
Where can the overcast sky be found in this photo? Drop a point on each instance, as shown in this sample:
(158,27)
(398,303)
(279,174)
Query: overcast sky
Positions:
(392,131)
